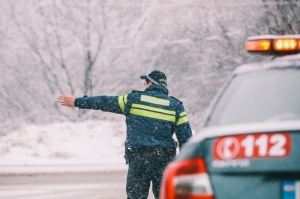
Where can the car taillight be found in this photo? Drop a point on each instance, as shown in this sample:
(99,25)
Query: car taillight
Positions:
(186,179)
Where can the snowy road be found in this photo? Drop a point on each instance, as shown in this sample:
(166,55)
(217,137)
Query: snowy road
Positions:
(104,185)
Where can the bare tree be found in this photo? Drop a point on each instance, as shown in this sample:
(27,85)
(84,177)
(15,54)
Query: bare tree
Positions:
(93,47)
(281,17)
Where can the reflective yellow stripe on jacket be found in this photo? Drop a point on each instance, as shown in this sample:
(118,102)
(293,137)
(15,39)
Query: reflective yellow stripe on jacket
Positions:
(155,100)
(152,112)
(122,100)
(182,118)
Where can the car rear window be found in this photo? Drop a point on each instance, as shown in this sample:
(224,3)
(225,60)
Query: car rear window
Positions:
(272,95)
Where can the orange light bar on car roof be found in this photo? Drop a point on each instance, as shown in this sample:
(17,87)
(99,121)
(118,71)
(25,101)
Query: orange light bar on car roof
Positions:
(258,45)
(274,44)
(285,44)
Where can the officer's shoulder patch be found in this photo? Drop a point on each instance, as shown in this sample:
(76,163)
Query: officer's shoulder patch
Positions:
(176,99)
(134,91)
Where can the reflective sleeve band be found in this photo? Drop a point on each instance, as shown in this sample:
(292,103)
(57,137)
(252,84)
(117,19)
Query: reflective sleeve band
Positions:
(122,100)
(156,113)
(182,118)
(154,100)
(182,114)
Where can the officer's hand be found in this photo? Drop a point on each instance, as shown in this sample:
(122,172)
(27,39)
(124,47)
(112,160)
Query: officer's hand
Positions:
(66,100)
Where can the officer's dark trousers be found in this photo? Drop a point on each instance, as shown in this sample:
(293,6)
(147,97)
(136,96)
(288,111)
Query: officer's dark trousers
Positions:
(142,170)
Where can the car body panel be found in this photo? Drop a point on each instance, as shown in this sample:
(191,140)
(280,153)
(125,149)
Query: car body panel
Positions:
(289,163)
(248,177)
(254,186)
(291,61)
(195,147)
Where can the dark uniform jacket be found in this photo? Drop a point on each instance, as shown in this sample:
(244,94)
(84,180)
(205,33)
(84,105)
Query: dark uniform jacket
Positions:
(152,117)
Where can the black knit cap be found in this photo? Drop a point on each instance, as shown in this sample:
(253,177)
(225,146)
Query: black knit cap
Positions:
(156,77)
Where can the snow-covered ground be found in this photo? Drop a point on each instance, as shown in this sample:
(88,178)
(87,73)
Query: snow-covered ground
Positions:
(87,143)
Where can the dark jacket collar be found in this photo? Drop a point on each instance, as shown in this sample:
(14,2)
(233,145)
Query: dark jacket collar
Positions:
(157,88)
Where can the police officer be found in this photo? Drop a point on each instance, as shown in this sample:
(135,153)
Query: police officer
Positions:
(152,117)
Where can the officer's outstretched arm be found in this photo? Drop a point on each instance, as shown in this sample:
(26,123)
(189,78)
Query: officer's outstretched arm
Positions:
(114,104)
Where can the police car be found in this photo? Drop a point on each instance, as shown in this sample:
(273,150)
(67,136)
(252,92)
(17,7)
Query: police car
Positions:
(249,144)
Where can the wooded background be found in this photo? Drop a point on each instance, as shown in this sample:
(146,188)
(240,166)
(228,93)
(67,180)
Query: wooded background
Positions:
(101,47)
